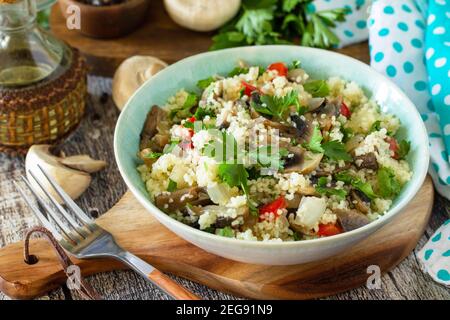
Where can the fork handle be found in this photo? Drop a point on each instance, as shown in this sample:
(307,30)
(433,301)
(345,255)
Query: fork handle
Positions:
(148,272)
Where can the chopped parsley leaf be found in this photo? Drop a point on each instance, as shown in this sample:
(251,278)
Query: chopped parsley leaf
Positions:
(317,88)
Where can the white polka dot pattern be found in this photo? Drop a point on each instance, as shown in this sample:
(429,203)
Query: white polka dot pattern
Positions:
(403,47)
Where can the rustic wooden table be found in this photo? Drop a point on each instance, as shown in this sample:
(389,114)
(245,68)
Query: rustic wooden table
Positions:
(95,137)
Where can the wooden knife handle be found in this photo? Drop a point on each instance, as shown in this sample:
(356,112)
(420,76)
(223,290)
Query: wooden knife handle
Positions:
(171,287)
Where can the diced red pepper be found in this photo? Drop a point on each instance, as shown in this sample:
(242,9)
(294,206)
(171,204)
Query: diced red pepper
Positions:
(330,229)
(272,207)
(393,146)
(280,67)
(345,111)
(192,119)
(248,88)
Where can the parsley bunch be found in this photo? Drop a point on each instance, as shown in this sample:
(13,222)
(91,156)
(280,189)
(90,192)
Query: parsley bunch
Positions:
(262,22)
(275,106)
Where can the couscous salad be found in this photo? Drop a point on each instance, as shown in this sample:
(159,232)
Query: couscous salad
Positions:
(266,153)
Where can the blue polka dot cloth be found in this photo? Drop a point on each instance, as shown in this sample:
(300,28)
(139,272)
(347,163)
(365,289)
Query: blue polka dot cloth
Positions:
(435,255)
(409,42)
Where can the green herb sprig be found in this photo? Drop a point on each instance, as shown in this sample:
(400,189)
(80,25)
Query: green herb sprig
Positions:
(279,22)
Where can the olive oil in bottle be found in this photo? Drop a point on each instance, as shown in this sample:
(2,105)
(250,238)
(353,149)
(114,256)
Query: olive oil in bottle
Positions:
(42,81)
(28,54)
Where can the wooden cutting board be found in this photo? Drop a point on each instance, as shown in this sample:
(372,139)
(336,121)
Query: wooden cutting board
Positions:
(159,36)
(137,231)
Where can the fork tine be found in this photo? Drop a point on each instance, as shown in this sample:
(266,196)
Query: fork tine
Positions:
(55,218)
(38,213)
(67,200)
(77,228)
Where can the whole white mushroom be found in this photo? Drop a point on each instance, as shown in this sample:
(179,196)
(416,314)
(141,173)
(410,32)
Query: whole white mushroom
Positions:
(131,74)
(202,15)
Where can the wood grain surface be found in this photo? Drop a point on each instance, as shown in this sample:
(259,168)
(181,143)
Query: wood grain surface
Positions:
(159,37)
(138,232)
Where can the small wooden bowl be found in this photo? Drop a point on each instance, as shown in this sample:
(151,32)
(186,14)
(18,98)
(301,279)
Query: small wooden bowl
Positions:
(108,21)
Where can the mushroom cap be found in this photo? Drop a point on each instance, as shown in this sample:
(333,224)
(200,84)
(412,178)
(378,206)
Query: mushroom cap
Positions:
(202,15)
(72,181)
(131,74)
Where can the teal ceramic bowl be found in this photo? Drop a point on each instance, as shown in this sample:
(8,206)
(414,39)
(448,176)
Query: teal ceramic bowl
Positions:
(319,64)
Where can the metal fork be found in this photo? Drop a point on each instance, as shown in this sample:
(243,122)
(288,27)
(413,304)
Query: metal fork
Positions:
(84,239)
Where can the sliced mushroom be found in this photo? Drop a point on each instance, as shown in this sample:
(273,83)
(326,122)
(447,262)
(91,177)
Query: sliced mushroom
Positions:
(301,161)
(84,163)
(361,201)
(144,154)
(218,210)
(222,222)
(194,210)
(329,109)
(297,75)
(249,220)
(255,98)
(367,161)
(315,103)
(323,173)
(179,198)
(74,180)
(351,219)
(354,142)
(304,129)
(294,202)
(155,126)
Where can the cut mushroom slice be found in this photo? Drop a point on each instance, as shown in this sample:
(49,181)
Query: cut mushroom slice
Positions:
(298,75)
(323,173)
(249,219)
(178,199)
(302,161)
(351,219)
(218,211)
(330,110)
(361,201)
(222,222)
(194,210)
(367,161)
(304,129)
(284,130)
(354,142)
(84,163)
(315,103)
(73,181)
(301,132)
(145,155)
(294,202)
(155,124)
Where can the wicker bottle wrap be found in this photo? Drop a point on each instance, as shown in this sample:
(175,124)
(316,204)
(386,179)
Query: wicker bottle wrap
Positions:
(45,113)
